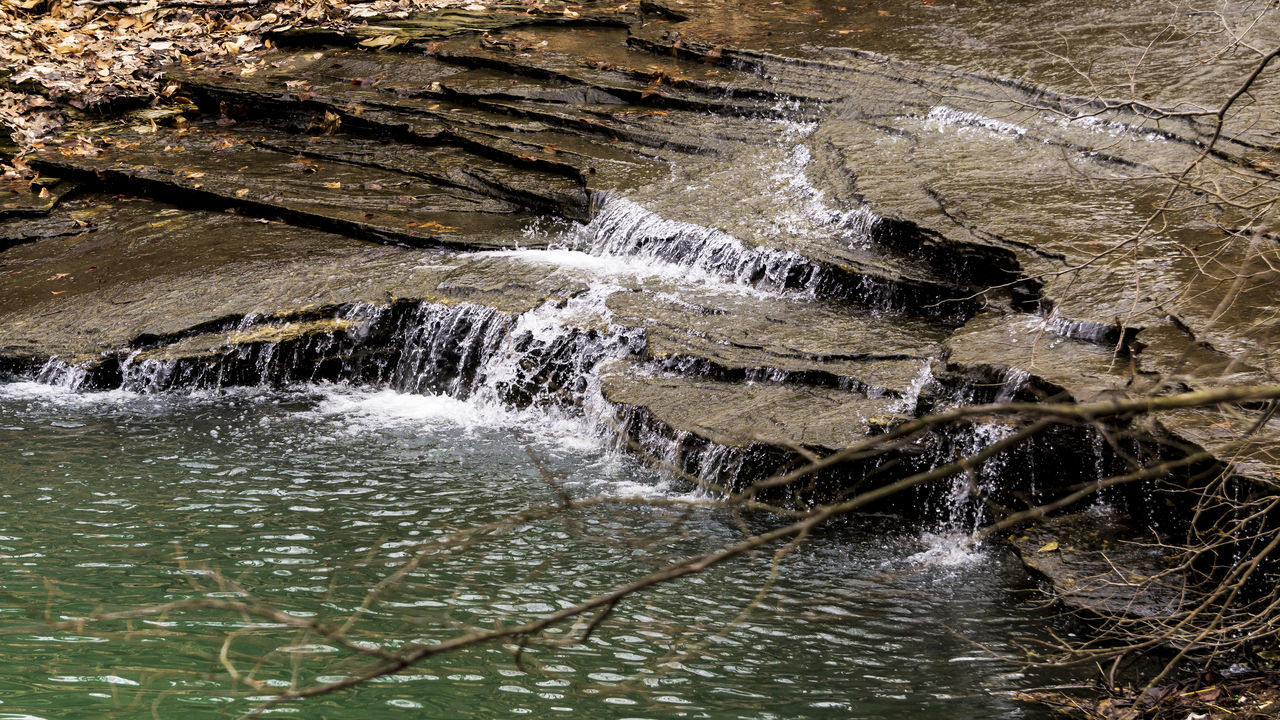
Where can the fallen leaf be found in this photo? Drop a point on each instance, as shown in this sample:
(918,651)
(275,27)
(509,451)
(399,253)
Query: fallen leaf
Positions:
(1049,546)
(379,42)
(242,192)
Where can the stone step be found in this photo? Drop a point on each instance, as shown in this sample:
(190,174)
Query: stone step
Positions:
(621,73)
(1099,566)
(424,28)
(752,337)
(958,55)
(178,284)
(521,112)
(1006,356)
(150,272)
(744,415)
(206,165)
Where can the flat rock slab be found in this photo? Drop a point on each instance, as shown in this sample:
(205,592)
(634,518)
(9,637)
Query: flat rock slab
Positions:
(25,230)
(152,270)
(743,415)
(586,100)
(954,43)
(767,337)
(20,199)
(238,169)
(1097,565)
(433,26)
(1015,354)
(1247,438)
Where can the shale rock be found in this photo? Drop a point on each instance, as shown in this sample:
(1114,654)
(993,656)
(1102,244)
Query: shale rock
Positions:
(756,230)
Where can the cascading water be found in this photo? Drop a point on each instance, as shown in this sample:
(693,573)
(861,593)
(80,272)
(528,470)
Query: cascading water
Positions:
(854,226)
(465,350)
(960,508)
(442,348)
(623,228)
(548,356)
(910,400)
(797,211)
(1013,381)
(59,373)
(941,116)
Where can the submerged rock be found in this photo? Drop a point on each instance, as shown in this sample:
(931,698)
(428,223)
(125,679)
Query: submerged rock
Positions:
(1097,565)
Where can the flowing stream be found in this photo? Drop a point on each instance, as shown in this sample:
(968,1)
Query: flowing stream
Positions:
(307,496)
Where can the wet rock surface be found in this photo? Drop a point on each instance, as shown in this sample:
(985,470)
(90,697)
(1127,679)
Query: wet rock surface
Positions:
(766,230)
(773,415)
(1097,565)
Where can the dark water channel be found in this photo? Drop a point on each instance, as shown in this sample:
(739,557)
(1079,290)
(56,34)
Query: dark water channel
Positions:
(308,496)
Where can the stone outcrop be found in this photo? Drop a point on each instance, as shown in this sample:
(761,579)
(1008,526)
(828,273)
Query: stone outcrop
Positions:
(759,239)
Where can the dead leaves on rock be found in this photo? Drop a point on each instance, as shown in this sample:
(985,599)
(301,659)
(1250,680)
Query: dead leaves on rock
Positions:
(29,117)
(85,55)
(511,42)
(1253,696)
(432,226)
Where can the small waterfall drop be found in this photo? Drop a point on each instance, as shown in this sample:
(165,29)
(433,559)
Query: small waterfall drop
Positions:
(61,374)
(959,508)
(623,228)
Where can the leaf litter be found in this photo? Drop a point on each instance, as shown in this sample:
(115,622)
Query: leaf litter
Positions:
(63,56)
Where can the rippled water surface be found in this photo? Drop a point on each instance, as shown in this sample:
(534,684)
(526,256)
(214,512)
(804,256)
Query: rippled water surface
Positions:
(306,498)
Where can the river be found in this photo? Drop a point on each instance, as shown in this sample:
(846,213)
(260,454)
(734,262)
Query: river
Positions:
(306,496)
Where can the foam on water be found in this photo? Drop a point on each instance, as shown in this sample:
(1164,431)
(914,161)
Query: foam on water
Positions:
(1111,128)
(360,410)
(947,550)
(570,259)
(36,391)
(367,410)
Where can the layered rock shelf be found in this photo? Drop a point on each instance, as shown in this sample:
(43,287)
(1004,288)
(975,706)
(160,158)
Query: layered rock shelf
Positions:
(740,244)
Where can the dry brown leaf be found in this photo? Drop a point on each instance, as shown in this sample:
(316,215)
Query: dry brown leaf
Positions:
(381,41)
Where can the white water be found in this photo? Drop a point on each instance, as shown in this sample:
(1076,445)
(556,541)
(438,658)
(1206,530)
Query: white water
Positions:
(623,228)
(911,398)
(941,116)
(810,212)
(61,393)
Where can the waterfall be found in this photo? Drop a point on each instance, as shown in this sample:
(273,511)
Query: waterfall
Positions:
(548,357)
(462,350)
(59,373)
(963,510)
(622,228)
(1013,381)
(959,509)
(443,348)
(910,401)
